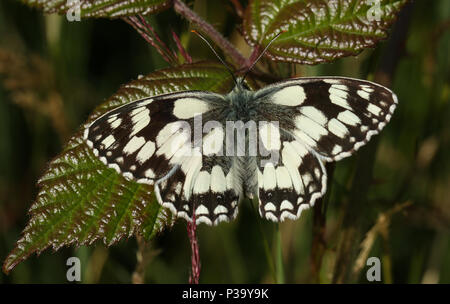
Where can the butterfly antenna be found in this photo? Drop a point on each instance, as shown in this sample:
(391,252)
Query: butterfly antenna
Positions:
(217,55)
(262,53)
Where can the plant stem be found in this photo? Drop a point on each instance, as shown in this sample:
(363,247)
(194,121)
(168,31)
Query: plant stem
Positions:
(143,256)
(279,256)
(269,256)
(195,255)
(239,60)
(318,245)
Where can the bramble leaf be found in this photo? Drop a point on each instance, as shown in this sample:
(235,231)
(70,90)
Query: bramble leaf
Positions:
(81,200)
(100,8)
(318,30)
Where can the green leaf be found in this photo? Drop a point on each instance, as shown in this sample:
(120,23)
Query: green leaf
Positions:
(100,8)
(318,30)
(81,200)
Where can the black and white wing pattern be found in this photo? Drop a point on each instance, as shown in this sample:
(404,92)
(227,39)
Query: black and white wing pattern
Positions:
(291,185)
(150,141)
(320,119)
(301,123)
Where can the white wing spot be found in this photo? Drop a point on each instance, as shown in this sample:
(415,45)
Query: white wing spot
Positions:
(349,118)
(202,183)
(269,177)
(317,172)
(283,178)
(134,144)
(290,96)
(108,141)
(292,161)
(271,217)
(149,173)
(373,109)
(307,178)
(301,149)
(363,94)
(218,180)
(185,108)
(201,209)
(339,95)
(220,209)
(140,121)
(115,123)
(176,143)
(166,132)
(367,88)
(336,150)
(146,152)
(286,205)
(178,188)
(314,114)
(310,127)
(270,207)
(337,128)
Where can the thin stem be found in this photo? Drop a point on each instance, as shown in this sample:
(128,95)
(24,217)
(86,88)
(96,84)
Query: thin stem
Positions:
(238,8)
(148,33)
(318,245)
(144,255)
(181,8)
(195,255)
(279,256)
(266,245)
(181,49)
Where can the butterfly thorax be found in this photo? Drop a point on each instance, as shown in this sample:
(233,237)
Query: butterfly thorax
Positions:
(241,105)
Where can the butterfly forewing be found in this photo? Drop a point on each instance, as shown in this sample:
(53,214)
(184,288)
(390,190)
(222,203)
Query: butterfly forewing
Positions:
(320,119)
(333,116)
(151,141)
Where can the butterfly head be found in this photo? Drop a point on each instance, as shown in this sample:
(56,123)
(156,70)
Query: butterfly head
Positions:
(241,85)
(239,81)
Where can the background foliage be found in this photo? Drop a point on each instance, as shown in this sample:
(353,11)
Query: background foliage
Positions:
(390,200)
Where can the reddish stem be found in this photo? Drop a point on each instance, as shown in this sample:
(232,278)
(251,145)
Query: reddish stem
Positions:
(181,49)
(238,8)
(195,256)
(181,8)
(148,33)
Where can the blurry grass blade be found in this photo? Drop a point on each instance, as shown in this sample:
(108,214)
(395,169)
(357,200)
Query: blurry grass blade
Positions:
(81,200)
(318,30)
(99,8)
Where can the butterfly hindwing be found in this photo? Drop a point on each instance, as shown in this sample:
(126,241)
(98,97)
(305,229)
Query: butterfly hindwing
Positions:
(293,181)
(213,197)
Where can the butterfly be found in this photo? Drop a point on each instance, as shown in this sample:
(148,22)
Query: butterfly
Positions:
(204,152)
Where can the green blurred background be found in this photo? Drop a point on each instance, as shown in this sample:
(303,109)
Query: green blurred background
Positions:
(54,72)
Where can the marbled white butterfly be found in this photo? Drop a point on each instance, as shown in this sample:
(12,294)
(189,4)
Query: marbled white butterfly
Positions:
(300,123)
